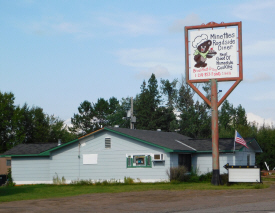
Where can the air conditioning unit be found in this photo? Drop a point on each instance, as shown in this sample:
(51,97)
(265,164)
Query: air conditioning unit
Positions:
(158,157)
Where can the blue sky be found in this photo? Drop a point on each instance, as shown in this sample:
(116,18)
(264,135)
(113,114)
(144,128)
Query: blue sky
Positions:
(56,54)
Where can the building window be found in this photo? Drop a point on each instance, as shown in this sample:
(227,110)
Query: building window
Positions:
(8,162)
(107,143)
(248,160)
(139,161)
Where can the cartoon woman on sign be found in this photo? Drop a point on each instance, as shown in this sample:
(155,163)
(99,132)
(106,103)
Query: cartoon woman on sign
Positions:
(202,45)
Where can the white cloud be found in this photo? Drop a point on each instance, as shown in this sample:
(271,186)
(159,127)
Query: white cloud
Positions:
(158,60)
(144,57)
(67,27)
(109,24)
(260,48)
(68,123)
(259,77)
(159,71)
(56,25)
(130,24)
(255,10)
(192,19)
(259,120)
(267,95)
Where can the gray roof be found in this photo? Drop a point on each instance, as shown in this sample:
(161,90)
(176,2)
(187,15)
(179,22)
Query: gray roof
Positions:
(23,149)
(169,141)
(178,142)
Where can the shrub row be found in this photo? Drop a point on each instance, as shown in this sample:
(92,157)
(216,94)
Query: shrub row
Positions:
(181,174)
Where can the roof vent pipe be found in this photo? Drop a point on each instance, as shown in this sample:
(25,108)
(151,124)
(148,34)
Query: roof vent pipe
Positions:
(59,142)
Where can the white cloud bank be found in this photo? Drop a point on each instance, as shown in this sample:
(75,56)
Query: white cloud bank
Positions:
(130,24)
(258,77)
(68,123)
(259,120)
(260,48)
(255,10)
(159,71)
(178,25)
(160,61)
(58,26)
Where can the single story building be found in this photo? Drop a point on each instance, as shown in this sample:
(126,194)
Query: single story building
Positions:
(114,153)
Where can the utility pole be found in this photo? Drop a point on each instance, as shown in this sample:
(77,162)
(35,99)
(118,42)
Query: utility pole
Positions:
(132,118)
(131,110)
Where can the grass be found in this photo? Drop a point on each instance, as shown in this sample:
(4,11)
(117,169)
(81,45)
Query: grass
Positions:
(267,178)
(40,191)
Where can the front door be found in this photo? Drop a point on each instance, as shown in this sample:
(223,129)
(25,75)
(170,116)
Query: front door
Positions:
(185,160)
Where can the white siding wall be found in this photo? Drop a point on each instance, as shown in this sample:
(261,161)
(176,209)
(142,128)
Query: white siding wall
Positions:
(241,157)
(111,163)
(203,162)
(30,170)
(174,159)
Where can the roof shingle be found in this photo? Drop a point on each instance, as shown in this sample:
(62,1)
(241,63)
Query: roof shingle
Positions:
(37,148)
(167,140)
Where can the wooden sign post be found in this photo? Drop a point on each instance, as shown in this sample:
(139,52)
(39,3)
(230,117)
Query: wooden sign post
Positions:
(213,52)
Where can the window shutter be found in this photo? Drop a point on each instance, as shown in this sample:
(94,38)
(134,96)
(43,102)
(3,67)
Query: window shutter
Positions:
(148,160)
(129,161)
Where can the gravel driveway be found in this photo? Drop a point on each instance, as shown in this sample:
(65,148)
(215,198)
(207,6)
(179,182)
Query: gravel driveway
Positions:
(153,201)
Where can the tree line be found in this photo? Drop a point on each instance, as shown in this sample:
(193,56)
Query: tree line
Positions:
(166,105)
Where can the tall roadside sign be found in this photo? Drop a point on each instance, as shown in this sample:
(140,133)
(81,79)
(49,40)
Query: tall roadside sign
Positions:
(213,52)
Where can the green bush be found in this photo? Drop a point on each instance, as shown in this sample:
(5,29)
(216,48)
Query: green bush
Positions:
(9,179)
(58,181)
(178,174)
(113,181)
(259,186)
(194,179)
(82,182)
(175,182)
(105,183)
(98,183)
(207,177)
(128,180)
(224,179)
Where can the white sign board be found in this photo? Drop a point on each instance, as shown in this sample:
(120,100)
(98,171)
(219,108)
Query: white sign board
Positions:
(89,158)
(244,175)
(213,53)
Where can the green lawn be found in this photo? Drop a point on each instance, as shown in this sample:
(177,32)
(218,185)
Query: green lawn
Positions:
(29,192)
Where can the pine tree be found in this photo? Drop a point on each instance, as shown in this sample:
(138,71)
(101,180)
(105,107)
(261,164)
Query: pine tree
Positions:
(7,125)
(195,116)
(85,121)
